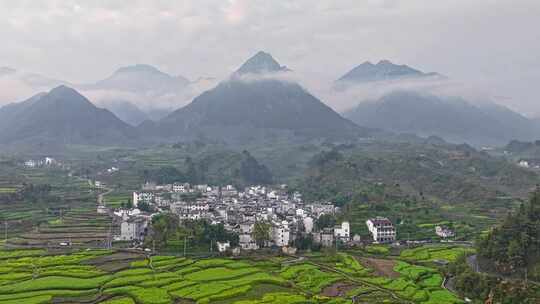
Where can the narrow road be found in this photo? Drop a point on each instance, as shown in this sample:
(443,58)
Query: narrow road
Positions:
(101,195)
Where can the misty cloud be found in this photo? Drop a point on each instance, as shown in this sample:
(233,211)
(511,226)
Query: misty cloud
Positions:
(490,45)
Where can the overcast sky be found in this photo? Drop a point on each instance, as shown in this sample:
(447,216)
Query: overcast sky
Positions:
(490,44)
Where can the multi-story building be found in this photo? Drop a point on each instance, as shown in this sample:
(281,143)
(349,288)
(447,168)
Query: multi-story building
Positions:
(147,197)
(180,187)
(382,230)
(133,228)
(327,237)
(281,234)
(343,232)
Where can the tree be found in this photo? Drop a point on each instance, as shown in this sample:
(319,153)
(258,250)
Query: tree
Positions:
(144,206)
(261,233)
(325,221)
(514,245)
(164,227)
(129,203)
(252,172)
(192,174)
(304,242)
(165,175)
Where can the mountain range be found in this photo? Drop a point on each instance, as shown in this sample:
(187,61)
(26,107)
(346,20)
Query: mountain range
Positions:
(152,91)
(254,103)
(248,108)
(240,109)
(61,116)
(453,119)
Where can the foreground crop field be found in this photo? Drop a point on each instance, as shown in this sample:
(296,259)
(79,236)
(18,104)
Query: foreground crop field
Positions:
(99,276)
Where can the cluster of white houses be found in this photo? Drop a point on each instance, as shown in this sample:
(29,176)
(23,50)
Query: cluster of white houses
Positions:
(240,211)
(37,163)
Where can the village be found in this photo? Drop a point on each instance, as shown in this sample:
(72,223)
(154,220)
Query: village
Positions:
(285,214)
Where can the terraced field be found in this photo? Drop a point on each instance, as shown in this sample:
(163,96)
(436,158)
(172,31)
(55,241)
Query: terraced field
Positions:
(98,276)
(434,253)
(79,227)
(66,215)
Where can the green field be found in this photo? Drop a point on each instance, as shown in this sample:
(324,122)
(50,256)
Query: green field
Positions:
(99,276)
(434,253)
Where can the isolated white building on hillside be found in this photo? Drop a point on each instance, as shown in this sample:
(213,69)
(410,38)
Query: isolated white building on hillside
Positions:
(523,164)
(444,232)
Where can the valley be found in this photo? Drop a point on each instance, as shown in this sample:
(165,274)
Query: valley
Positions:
(322,181)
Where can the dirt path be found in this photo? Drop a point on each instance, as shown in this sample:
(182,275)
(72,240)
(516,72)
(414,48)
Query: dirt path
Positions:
(360,281)
(101,195)
(338,289)
(381,267)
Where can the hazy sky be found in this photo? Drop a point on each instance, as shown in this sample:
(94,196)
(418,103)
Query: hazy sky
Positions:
(490,44)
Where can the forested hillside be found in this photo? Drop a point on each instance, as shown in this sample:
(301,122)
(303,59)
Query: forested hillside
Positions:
(456,174)
(514,246)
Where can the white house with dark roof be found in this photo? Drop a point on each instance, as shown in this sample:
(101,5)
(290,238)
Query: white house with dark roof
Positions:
(382,230)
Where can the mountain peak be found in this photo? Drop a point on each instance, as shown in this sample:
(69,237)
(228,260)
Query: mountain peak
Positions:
(385,62)
(63,90)
(6,71)
(383,70)
(142,78)
(138,68)
(261,63)
(62,116)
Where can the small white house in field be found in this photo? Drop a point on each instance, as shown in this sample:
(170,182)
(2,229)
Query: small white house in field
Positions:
(444,232)
(223,246)
(523,164)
